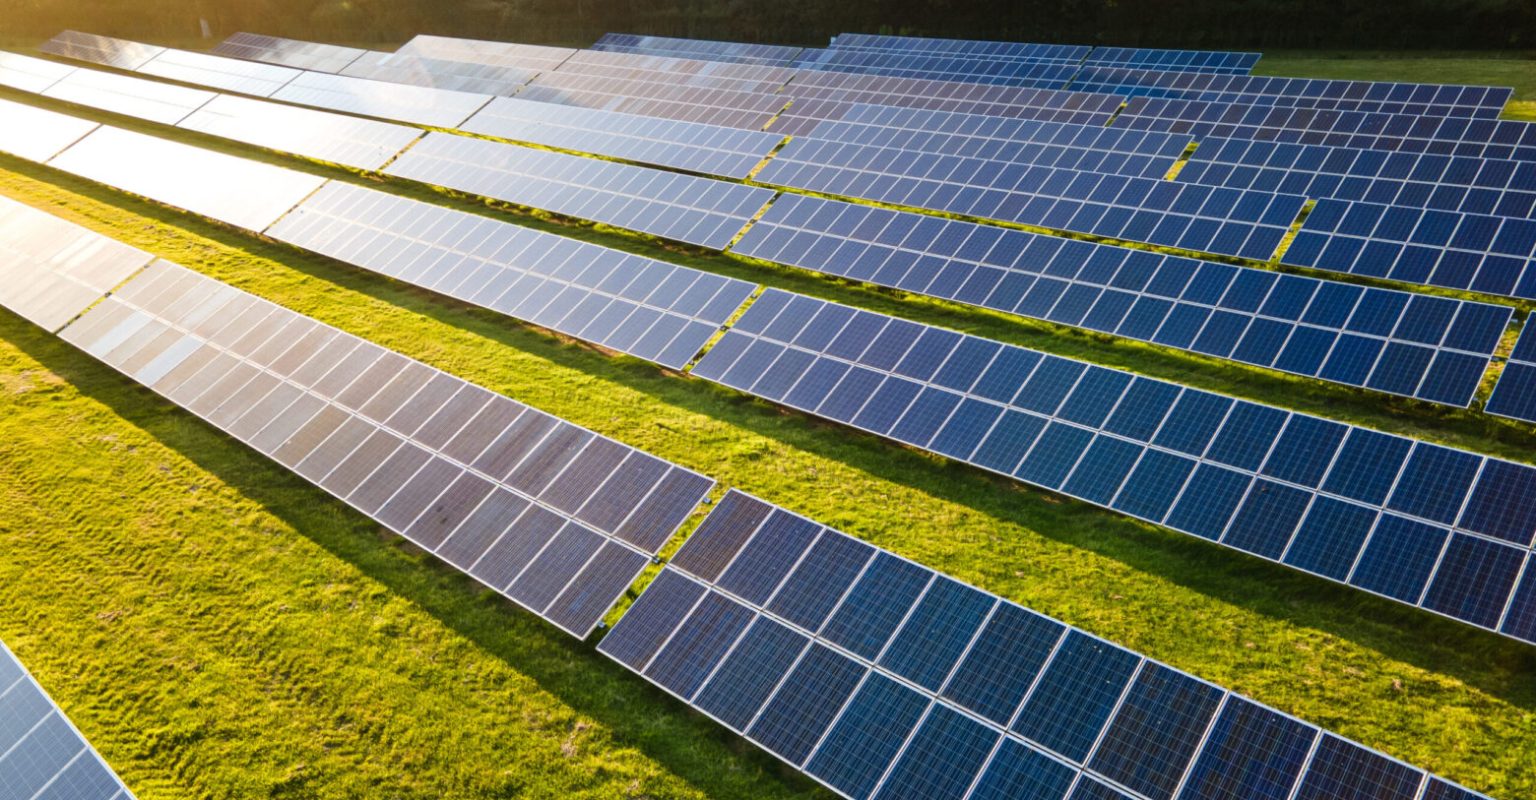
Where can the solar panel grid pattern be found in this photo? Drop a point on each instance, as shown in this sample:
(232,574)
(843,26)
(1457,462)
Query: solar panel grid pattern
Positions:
(1515,394)
(421,105)
(415,70)
(42,754)
(691,146)
(134,97)
(538,58)
(1477,252)
(37,134)
(118,53)
(700,211)
(1498,187)
(340,139)
(229,74)
(881,678)
(748,78)
(770,55)
(1432,348)
(1459,136)
(1442,529)
(288,52)
(30,74)
(1138,209)
(551,515)
(1065,53)
(906,64)
(649,309)
(1424,99)
(52,270)
(730,108)
(1215,61)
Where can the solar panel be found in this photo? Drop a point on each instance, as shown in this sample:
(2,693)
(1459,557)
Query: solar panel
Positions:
(288,52)
(1442,529)
(229,74)
(551,515)
(134,97)
(706,149)
(337,138)
(734,109)
(52,270)
(635,305)
(770,55)
(929,66)
(30,74)
(42,754)
(1480,138)
(438,73)
(1062,53)
(188,177)
(881,678)
(1439,248)
(1138,209)
(1217,61)
(1447,183)
(118,53)
(1515,394)
(1432,348)
(700,211)
(1424,99)
(38,135)
(748,78)
(392,101)
(538,58)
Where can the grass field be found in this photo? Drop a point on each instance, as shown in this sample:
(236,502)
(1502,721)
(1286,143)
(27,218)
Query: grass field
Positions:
(219,628)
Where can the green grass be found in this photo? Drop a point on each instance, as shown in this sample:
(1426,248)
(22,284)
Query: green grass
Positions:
(218,628)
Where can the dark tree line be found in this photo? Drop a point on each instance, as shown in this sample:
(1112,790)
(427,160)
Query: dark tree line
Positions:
(1253,24)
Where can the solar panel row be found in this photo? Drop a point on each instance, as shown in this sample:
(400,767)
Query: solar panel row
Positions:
(30,74)
(133,97)
(706,149)
(421,105)
(408,68)
(229,74)
(903,64)
(1025,51)
(42,755)
(532,57)
(36,134)
(51,270)
(1217,61)
(553,516)
(1181,215)
(882,678)
(101,49)
(1515,394)
(646,308)
(1416,345)
(747,78)
(734,109)
(1442,529)
(769,55)
(700,211)
(287,52)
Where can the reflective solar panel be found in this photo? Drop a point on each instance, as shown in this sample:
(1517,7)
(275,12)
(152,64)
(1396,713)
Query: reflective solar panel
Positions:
(707,149)
(188,177)
(700,211)
(1185,216)
(1427,525)
(30,74)
(1424,99)
(1515,394)
(537,58)
(1477,252)
(52,270)
(730,108)
(550,515)
(118,53)
(37,134)
(1432,348)
(888,707)
(646,308)
(288,52)
(134,97)
(748,78)
(1063,53)
(337,138)
(42,754)
(931,66)
(439,73)
(771,55)
(229,74)
(1498,187)
(440,108)
(1218,61)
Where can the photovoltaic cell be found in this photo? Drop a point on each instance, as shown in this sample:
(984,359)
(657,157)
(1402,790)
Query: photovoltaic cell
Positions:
(337,138)
(532,57)
(134,97)
(188,177)
(1515,394)
(30,74)
(769,55)
(700,211)
(417,450)
(1277,484)
(288,52)
(118,53)
(1215,61)
(864,727)
(712,106)
(37,134)
(931,66)
(415,70)
(422,105)
(42,754)
(973,48)
(650,309)
(696,73)
(228,74)
(51,270)
(691,146)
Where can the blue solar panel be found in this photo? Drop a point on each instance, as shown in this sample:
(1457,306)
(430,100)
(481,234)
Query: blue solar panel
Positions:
(42,755)
(734,52)
(1315,328)
(695,210)
(1356,506)
(1216,61)
(932,66)
(972,48)
(1060,708)
(1475,252)
(1515,394)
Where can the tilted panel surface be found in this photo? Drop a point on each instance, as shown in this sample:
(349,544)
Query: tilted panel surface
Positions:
(38,134)
(1432,348)
(534,57)
(52,270)
(441,108)
(769,55)
(646,308)
(119,53)
(1217,61)
(362,143)
(134,97)
(438,73)
(881,678)
(734,109)
(689,209)
(219,72)
(676,71)
(1443,529)
(1515,394)
(288,52)
(930,66)
(30,74)
(1026,51)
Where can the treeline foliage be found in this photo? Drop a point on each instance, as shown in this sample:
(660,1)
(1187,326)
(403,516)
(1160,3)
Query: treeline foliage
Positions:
(1255,24)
